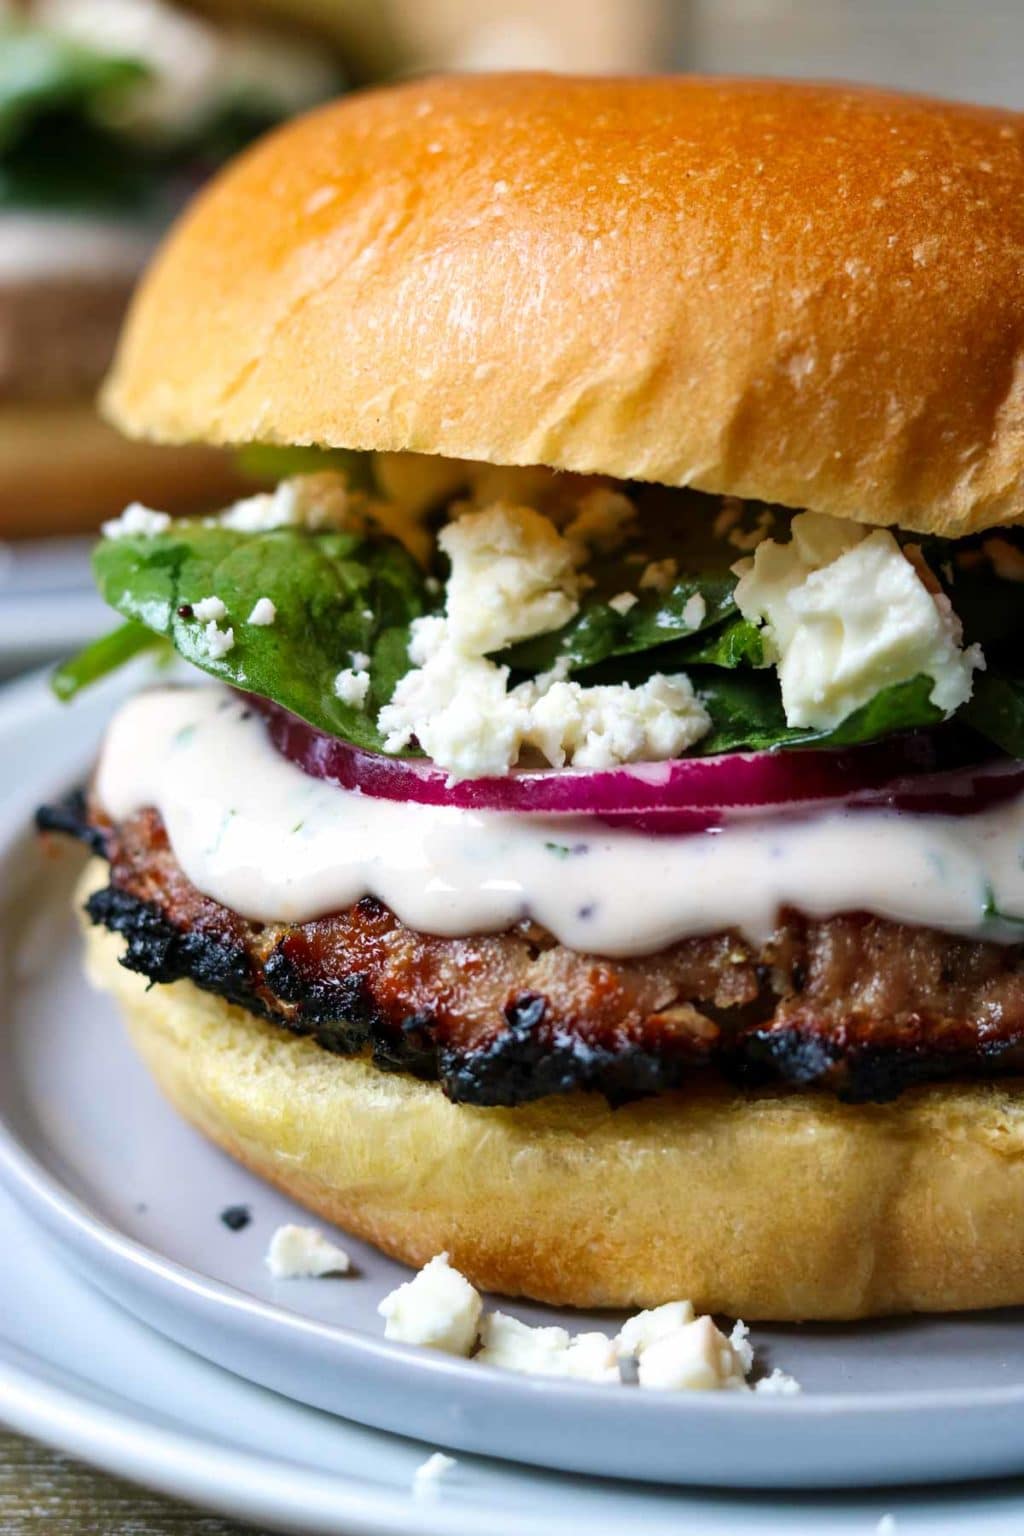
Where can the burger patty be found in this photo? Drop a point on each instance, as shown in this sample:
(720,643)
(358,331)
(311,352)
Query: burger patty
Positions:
(853,1003)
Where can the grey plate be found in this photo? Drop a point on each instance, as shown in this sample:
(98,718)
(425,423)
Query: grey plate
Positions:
(134,1196)
(80,1372)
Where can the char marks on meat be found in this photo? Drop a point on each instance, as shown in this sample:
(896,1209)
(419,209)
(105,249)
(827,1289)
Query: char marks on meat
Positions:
(853,1003)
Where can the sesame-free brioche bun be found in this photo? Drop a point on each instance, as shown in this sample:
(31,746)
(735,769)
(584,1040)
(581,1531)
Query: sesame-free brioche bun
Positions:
(805,293)
(761,1205)
(63,469)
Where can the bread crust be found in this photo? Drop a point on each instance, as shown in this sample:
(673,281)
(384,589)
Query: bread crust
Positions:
(765,1205)
(804,293)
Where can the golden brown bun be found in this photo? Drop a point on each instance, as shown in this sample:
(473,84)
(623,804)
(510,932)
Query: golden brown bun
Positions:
(62,470)
(760,1205)
(805,293)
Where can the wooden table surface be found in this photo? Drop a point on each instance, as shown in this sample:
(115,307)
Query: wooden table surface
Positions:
(44,1494)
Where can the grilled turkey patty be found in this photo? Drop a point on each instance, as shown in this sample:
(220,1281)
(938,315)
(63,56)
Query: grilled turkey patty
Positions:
(853,1003)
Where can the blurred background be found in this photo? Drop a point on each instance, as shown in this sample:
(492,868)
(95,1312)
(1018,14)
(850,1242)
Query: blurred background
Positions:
(113,112)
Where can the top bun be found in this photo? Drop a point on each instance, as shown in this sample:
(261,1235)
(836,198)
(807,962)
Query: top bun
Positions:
(803,293)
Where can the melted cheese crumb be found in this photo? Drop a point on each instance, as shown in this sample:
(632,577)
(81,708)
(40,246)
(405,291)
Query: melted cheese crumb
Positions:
(844,615)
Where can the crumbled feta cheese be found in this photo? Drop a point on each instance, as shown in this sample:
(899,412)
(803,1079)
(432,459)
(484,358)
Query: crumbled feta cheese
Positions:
(208,608)
(360,661)
(592,1357)
(647,1327)
(512,575)
(301,1253)
(845,615)
(313,501)
(136,520)
(601,726)
(603,520)
(463,715)
(778,1384)
(741,1345)
(623,602)
(263,612)
(515,1346)
(427,1477)
(695,611)
(437,1309)
(695,1358)
(666,1348)
(460,712)
(659,574)
(351,687)
(218,641)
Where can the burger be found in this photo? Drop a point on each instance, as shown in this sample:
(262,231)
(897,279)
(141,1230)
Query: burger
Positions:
(111,112)
(589,835)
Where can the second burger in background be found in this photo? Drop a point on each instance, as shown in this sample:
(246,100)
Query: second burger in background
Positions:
(112,112)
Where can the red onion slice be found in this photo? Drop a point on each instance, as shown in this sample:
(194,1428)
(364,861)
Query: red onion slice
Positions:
(921,772)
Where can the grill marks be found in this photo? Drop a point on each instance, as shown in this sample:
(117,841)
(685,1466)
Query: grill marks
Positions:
(854,1003)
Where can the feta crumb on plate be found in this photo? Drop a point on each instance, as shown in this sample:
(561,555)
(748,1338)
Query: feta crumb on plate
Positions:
(263,612)
(135,520)
(778,1384)
(666,1348)
(695,1358)
(437,1309)
(303,1253)
(427,1477)
(650,1326)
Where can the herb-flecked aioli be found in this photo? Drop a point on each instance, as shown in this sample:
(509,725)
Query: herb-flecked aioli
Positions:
(257,834)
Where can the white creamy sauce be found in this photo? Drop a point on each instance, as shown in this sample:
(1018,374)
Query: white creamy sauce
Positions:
(38,247)
(257,834)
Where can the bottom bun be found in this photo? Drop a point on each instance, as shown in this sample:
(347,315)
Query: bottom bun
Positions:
(760,1205)
(63,470)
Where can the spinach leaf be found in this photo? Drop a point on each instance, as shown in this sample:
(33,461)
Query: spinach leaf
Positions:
(335,594)
(996,710)
(269,461)
(42,73)
(599,631)
(104,655)
(747,715)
